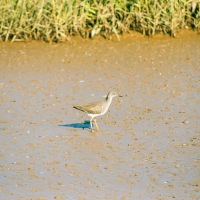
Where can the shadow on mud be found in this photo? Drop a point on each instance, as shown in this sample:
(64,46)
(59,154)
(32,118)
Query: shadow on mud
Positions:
(83,125)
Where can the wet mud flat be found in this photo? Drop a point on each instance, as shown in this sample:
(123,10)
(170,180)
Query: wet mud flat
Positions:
(148,143)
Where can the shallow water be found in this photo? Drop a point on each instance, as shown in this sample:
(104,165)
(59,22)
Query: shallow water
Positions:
(148,143)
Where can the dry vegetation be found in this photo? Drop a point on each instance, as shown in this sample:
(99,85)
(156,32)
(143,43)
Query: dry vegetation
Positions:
(57,20)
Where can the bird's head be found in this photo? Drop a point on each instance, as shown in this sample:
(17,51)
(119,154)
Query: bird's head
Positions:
(112,94)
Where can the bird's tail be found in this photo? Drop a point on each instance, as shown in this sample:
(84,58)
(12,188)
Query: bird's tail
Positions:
(78,108)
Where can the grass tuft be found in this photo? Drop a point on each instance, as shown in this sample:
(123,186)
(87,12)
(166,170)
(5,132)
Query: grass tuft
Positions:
(58,20)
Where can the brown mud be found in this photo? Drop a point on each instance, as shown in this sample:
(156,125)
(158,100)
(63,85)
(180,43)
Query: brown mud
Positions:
(148,143)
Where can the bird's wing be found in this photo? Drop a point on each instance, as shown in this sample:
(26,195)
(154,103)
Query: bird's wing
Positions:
(92,108)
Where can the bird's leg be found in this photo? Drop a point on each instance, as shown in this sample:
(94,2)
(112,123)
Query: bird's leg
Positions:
(95,121)
(91,125)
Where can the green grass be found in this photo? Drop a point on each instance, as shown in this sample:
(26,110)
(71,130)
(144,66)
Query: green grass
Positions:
(58,20)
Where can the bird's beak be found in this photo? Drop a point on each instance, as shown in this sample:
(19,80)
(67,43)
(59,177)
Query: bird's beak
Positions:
(119,95)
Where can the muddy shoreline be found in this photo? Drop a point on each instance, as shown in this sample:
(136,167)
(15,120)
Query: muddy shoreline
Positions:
(148,143)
